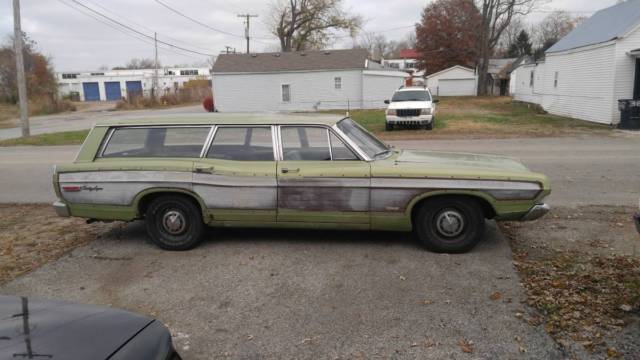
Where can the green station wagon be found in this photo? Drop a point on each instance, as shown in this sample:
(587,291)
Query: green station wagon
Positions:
(288,171)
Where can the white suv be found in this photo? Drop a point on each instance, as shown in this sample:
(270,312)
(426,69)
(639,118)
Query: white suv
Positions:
(411,106)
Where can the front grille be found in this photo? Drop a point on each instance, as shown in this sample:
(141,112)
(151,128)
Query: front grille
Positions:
(408,112)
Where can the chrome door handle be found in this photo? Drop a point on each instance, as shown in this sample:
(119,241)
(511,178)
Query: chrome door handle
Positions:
(287,170)
(204,169)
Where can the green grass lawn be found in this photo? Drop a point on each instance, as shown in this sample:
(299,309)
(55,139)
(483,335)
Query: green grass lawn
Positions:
(484,117)
(60,138)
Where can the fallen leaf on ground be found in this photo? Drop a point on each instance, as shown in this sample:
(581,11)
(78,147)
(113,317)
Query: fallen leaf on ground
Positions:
(495,296)
(466,345)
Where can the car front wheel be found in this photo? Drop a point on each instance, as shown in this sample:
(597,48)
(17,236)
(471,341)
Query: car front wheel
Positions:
(174,223)
(449,225)
(429,126)
(388,127)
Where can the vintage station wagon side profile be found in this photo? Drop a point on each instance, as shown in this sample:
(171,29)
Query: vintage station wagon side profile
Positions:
(288,171)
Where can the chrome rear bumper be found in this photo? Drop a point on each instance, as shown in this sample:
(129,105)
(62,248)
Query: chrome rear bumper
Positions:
(536,212)
(61,209)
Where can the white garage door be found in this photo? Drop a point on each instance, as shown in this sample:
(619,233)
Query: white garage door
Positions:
(456,87)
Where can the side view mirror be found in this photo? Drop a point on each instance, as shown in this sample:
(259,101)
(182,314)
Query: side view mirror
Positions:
(387,102)
(435,101)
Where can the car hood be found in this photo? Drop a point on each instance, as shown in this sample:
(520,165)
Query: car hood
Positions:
(461,160)
(410,105)
(60,330)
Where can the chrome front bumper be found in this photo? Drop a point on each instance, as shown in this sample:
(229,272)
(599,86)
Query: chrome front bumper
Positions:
(536,212)
(636,220)
(412,120)
(61,209)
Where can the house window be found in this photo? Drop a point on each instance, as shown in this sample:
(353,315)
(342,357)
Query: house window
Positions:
(555,80)
(337,83)
(531,78)
(286,93)
(188,72)
(69,76)
(97,74)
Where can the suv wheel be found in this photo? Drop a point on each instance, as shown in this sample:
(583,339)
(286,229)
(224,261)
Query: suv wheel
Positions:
(388,127)
(429,126)
(450,225)
(174,223)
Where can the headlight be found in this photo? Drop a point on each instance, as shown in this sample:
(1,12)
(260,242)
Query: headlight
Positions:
(426,111)
(391,112)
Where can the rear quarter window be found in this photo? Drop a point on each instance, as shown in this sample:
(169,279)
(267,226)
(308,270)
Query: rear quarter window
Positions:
(177,142)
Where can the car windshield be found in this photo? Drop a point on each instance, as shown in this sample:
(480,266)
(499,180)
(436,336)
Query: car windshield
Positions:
(373,147)
(417,95)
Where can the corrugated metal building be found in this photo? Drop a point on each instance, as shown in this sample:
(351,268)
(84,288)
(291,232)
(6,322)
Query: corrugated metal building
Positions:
(113,85)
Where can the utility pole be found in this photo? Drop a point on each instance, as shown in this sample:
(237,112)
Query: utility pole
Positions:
(22,82)
(155,75)
(246,28)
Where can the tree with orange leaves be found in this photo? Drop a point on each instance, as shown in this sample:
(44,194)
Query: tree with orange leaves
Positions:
(448,35)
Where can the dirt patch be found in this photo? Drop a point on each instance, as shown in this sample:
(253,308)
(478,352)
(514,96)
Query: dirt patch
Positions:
(32,235)
(581,272)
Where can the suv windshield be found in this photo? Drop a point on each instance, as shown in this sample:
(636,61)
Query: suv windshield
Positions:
(417,95)
(365,141)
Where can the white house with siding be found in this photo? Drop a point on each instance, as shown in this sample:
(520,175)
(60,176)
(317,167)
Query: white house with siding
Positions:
(454,81)
(302,81)
(588,71)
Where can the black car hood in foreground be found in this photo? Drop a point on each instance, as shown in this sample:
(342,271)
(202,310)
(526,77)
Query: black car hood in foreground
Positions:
(40,329)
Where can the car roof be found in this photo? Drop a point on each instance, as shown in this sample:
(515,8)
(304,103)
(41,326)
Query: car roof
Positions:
(413,88)
(228,119)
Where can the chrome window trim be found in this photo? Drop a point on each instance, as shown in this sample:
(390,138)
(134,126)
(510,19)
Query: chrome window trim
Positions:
(274,143)
(113,129)
(329,143)
(270,127)
(349,142)
(106,140)
(207,142)
(329,129)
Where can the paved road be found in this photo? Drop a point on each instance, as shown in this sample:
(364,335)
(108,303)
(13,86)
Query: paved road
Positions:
(588,170)
(85,119)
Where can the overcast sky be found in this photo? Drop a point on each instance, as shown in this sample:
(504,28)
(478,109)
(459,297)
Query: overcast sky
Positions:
(76,41)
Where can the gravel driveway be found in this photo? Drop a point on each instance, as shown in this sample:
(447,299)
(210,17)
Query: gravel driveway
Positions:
(293,294)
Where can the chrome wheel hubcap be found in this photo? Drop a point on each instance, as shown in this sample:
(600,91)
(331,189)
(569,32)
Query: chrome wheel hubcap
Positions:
(450,223)
(174,222)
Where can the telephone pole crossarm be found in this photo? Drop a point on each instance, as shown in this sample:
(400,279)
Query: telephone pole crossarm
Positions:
(247,22)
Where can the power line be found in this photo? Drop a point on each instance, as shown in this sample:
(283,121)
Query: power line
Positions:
(197,21)
(121,30)
(142,25)
(139,32)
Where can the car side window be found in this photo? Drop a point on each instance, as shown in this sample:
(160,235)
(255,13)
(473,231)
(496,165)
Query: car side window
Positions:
(242,144)
(178,142)
(305,143)
(339,150)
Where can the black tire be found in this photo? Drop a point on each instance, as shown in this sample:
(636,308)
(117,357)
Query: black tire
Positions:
(388,127)
(429,126)
(174,223)
(458,235)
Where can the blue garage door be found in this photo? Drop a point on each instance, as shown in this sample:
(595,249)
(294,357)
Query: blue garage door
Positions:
(91,91)
(134,89)
(112,89)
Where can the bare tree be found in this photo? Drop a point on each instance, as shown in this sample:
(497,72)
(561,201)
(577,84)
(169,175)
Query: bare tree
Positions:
(554,27)
(496,17)
(307,24)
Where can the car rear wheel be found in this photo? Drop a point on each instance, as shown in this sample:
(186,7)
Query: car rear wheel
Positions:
(174,223)
(388,127)
(449,225)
